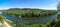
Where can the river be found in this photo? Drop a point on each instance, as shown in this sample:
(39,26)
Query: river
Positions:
(37,21)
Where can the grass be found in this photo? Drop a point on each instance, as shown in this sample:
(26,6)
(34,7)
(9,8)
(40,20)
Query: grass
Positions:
(37,25)
(0,26)
(8,21)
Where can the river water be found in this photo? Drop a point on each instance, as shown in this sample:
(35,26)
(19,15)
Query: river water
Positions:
(37,21)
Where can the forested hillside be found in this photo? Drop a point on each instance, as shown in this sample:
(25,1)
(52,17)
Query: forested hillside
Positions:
(29,12)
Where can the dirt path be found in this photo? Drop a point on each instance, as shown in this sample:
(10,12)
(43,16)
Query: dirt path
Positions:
(6,24)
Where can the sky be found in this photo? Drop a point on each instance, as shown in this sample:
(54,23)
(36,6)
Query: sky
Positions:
(41,4)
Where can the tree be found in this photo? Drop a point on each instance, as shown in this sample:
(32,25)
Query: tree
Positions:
(58,7)
(1,19)
(17,18)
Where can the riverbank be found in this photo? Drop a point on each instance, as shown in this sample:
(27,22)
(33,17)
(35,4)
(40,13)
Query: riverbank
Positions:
(3,23)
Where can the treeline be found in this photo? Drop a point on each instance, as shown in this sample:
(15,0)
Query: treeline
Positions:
(28,12)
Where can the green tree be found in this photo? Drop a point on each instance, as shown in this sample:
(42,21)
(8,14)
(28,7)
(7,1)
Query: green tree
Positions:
(17,18)
(58,7)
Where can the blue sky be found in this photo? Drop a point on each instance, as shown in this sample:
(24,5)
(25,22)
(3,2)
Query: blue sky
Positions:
(44,4)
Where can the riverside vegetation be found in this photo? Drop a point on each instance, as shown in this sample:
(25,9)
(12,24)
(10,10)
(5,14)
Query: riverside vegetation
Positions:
(28,13)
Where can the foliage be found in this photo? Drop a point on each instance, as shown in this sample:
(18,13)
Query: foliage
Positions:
(28,12)
(58,7)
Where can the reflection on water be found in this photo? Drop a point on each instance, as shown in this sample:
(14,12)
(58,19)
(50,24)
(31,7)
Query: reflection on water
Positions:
(39,20)
(44,19)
